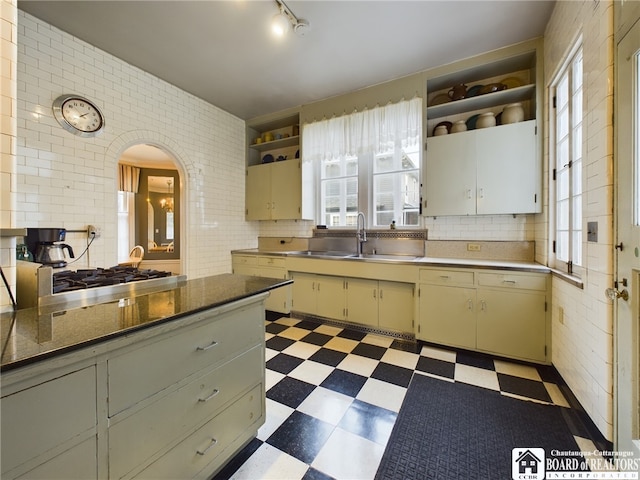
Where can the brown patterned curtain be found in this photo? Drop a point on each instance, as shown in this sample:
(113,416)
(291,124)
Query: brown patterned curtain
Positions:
(128,178)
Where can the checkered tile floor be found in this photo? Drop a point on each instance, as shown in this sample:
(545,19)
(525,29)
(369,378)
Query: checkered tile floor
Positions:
(333,395)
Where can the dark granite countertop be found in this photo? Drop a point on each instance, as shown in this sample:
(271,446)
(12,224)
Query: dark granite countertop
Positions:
(36,334)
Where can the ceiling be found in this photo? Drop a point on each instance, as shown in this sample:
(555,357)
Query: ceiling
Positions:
(225,53)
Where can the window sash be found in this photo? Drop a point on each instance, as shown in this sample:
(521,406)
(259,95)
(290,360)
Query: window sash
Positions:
(568,231)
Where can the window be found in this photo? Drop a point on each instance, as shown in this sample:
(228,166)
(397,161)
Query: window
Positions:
(566,165)
(368,161)
(396,187)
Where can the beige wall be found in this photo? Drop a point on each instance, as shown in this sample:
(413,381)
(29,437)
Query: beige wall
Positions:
(582,319)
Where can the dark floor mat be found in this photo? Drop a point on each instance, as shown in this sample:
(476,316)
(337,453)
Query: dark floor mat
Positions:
(451,431)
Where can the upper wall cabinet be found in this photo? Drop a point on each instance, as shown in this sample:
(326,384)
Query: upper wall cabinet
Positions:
(274,177)
(481,172)
(478,151)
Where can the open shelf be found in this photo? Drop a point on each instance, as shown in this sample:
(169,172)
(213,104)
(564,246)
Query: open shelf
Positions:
(518,94)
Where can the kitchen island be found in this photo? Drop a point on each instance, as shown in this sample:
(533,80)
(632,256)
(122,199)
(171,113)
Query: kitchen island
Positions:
(168,384)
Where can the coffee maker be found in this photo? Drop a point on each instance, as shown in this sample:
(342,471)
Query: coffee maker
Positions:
(46,243)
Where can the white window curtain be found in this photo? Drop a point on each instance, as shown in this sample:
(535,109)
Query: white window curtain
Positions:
(378,130)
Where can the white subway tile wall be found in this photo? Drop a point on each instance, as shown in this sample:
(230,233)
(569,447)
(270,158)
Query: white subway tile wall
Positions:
(67,181)
(583,334)
(8,129)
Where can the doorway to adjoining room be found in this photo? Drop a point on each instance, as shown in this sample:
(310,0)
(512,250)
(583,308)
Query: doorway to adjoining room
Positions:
(149,194)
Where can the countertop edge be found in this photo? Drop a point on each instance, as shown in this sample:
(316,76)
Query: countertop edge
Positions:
(449,262)
(92,342)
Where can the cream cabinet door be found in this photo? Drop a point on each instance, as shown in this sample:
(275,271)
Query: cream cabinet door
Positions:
(39,418)
(258,194)
(330,297)
(450,175)
(395,306)
(512,323)
(304,293)
(274,191)
(508,170)
(245,265)
(279,299)
(447,315)
(286,190)
(362,301)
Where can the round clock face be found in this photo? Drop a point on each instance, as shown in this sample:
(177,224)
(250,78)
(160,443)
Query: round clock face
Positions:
(78,115)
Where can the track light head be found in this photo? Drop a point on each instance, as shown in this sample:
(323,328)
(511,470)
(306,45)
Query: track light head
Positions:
(285,20)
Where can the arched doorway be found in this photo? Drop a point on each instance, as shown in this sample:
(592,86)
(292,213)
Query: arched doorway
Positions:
(149,207)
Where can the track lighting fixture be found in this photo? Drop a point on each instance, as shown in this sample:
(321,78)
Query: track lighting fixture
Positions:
(285,19)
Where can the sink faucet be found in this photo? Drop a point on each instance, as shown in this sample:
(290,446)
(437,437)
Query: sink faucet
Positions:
(361,234)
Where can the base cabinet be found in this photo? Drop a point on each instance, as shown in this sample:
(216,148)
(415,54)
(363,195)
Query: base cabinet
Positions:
(447,315)
(512,323)
(279,299)
(321,295)
(503,313)
(372,303)
(176,401)
(379,303)
(54,415)
(208,448)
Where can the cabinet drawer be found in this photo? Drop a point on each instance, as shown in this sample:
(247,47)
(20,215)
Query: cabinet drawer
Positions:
(513,280)
(271,262)
(42,417)
(447,277)
(157,425)
(245,260)
(77,463)
(209,447)
(140,373)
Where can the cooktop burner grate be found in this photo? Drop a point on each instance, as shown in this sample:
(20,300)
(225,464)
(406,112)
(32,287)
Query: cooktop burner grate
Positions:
(69,280)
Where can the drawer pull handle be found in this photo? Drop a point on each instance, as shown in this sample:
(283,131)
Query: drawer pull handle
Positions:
(211,345)
(213,394)
(445,277)
(511,282)
(209,447)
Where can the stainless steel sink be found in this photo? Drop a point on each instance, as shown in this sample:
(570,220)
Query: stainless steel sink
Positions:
(311,253)
(377,256)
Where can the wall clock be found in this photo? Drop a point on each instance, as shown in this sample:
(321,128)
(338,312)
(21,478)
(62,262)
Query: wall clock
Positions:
(78,115)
